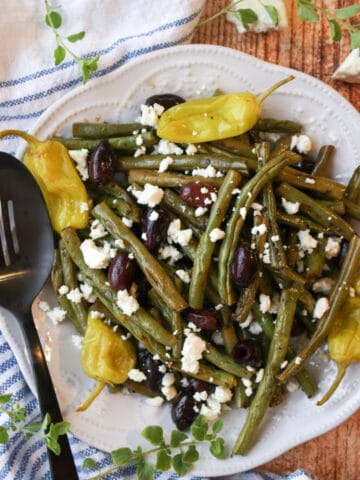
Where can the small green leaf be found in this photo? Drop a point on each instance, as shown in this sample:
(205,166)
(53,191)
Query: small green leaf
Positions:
(218,425)
(307,11)
(90,463)
(4,437)
(75,37)
(34,427)
(5,398)
(59,54)
(145,471)
(198,433)
(247,16)
(122,456)
(191,455)
(177,437)
(46,422)
(53,445)
(180,467)
(335,29)
(153,434)
(273,14)
(87,66)
(163,461)
(217,449)
(60,428)
(53,19)
(348,12)
(355,40)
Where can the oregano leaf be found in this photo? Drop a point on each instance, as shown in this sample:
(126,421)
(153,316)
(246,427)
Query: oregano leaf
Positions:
(273,14)
(247,16)
(59,54)
(217,449)
(191,455)
(60,428)
(53,445)
(5,398)
(153,434)
(218,425)
(145,471)
(90,463)
(307,11)
(180,467)
(34,427)
(87,66)
(53,19)
(355,39)
(348,12)
(122,456)
(75,37)
(4,436)
(177,437)
(163,461)
(335,29)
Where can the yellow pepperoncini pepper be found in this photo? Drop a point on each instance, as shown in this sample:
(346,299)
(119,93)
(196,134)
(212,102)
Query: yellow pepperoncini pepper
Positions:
(213,118)
(64,192)
(105,356)
(344,338)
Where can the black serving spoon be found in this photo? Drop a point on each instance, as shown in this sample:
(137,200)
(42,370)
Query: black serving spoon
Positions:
(26,256)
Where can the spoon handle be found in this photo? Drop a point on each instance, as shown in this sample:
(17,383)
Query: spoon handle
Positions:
(61,466)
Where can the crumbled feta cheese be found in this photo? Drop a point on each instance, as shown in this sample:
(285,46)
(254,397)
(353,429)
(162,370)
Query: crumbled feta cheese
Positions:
(74,295)
(139,140)
(97,230)
(200,396)
(84,207)
(153,216)
(212,409)
(43,306)
(291,208)
(264,21)
(265,303)
(77,340)
(150,196)
(298,360)
(259,375)
(216,234)
(80,159)
(243,213)
(247,321)
(155,401)
(87,292)
(248,391)
(217,338)
(191,149)
(94,256)
(310,181)
(284,364)
(140,151)
(63,290)
(323,285)
(169,252)
(162,368)
(168,379)
(275,238)
(292,385)
(255,328)
(56,315)
(136,375)
(307,241)
(150,114)
(126,302)
(119,242)
(176,235)
(164,147)
(302,143)
(332,247)
(222,394)
(200,211)
(183,275)
(259,229)
(349,69)
(322,305)
(208,172)
(127,222)
(165,163)
(191,353)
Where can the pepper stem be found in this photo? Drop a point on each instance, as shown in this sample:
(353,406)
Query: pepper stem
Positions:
(270,90)
(99,386)
(340,375)
(26,136)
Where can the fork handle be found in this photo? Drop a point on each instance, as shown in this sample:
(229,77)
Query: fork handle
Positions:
(62,467)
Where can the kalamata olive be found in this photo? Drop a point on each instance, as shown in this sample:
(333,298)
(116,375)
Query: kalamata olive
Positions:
(196,385)
(166,100)
(150,368)
(102,163)
(206,319)
(122,271)
(243,266)
(246,352)
(154,226)
(183,413)
(197,194)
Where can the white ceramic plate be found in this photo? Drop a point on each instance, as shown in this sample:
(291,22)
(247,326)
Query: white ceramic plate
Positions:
(192,71)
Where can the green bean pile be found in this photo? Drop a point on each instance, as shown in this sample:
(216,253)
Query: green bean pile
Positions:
(258,178)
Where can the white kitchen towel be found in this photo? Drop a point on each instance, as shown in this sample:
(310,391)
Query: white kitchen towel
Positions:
(117,31)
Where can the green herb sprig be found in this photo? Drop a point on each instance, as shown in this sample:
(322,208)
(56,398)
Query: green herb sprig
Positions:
(178,453)
(53,19)
(45,429)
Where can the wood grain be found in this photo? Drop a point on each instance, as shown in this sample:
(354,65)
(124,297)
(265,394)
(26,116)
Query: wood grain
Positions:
(306,47)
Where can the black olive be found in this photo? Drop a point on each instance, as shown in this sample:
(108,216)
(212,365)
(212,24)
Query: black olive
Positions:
(206,319)
(246,352)
(121,273)
(243,266)
(102,163)
(166,100)
(197,194)
(154,226)
(150,368)
(183,411)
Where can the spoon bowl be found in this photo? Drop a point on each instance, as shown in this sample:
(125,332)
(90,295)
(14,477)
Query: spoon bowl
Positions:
(26,256)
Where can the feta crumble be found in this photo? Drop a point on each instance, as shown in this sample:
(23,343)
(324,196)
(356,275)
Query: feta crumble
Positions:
(191,353)
(164,147)
(170,253)
(150,114)
(97,230)
(307,241)
(126,302)
(322,305)
(208,172)
(80,160)
(265,303)
(216,234)
(155,401)
(56,315)
(136,375)
(94,256)
(264,21)
(302,143)
(183,275)
(332,247)
(74,295)
(150,196)
(349,69)
(165,164)
(291,208)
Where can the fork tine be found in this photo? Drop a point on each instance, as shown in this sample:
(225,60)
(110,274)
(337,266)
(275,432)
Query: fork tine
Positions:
(12,224)
(4,245)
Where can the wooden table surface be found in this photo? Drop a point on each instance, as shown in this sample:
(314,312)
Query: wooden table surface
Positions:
(306,47)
